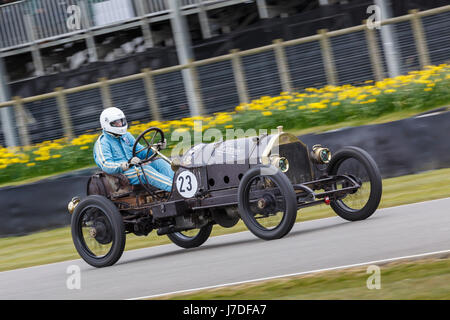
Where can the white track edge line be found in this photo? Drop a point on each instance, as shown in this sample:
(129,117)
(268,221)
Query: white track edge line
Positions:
(293,274)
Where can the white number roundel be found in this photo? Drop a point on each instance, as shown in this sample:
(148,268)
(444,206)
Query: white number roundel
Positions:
(187,184)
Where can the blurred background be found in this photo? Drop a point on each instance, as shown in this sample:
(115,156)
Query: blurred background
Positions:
(324,69)
(99,53)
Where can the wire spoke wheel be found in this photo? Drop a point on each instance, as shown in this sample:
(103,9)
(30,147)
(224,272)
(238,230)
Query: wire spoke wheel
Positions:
(267,202)
(189,234)
(98,231)
(191,238)
(354,201)
(359,166)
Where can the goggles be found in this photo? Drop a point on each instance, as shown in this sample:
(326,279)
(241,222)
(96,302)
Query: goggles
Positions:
(118,123)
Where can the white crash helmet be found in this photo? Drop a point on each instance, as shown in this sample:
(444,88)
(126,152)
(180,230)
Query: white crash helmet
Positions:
(113,121)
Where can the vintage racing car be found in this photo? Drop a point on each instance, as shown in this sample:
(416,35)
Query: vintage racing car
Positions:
(263,180)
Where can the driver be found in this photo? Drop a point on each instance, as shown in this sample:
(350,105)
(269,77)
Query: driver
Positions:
(113,153)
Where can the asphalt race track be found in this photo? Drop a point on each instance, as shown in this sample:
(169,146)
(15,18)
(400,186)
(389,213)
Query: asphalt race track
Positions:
(318,244)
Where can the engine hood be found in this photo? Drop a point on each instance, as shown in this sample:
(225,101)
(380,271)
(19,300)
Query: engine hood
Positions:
(251,150)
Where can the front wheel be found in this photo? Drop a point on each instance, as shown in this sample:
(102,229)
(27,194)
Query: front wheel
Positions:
(358,165)
(192,238)
(267,202)
(98,231)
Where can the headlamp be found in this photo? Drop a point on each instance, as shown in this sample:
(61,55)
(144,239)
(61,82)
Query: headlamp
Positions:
(321,154)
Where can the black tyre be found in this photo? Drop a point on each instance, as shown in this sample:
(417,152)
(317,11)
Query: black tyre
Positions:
(98,231)
(192,238)
(358,164)
(267,202)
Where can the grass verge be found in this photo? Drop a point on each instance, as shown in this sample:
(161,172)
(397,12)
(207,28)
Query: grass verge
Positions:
(56,245)
(419,279)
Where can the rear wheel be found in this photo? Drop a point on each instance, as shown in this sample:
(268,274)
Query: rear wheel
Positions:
(98,231)
(191,238)
(267,202)
(359,166)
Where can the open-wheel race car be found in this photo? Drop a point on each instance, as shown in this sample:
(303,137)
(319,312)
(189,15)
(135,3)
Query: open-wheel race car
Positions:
(263,180)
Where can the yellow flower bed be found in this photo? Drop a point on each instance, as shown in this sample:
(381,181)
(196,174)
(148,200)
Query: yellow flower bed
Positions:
(44,151)
(309,107)
(334,95)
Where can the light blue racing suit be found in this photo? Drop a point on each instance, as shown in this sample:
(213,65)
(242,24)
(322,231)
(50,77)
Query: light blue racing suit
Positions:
(111,151)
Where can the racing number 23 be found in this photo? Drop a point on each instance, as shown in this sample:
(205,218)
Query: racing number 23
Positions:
(187,184)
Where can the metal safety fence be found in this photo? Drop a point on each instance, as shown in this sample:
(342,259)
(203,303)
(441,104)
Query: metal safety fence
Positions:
(352,55)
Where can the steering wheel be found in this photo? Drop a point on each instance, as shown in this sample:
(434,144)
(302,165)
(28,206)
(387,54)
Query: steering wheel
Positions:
(152,138)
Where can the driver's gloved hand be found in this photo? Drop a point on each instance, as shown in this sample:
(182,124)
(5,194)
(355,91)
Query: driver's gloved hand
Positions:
(163,144)
(135,161)
(124,166)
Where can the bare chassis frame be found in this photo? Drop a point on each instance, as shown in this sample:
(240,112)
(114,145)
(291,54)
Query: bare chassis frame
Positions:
(305,194)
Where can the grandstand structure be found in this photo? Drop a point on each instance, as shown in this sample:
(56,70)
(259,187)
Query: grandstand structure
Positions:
(55,36)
